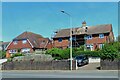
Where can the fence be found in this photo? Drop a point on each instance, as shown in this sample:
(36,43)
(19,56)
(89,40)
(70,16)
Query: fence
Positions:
(39,65)
(110,65)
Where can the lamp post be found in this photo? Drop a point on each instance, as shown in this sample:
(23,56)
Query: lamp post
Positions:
(70,37)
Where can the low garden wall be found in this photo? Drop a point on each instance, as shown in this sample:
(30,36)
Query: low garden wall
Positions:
(39,65)
(94,60)
(110,65)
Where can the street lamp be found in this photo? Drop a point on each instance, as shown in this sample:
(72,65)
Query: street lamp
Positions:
(70,37)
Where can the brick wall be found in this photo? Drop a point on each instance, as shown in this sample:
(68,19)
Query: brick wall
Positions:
(64,44)
(19,45)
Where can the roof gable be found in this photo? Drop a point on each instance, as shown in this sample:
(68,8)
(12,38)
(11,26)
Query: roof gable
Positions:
(32,37)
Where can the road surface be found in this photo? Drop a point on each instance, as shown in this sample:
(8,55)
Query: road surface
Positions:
(60,74)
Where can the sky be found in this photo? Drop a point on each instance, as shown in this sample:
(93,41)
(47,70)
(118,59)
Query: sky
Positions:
(45,17)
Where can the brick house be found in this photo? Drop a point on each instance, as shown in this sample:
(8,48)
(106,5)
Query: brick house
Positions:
(28,42)
(92,37)
(3,45)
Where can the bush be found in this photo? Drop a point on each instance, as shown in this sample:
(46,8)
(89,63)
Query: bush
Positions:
(55,52)
(65,54)
(110,51)
(16,55)
(2,54)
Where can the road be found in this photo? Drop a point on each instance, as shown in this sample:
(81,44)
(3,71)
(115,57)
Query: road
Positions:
(60,74)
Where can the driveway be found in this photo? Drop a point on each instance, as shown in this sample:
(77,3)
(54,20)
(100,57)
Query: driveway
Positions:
(90,66)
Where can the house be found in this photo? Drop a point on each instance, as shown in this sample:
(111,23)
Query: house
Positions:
(92,37)
(28,42)
(3,45)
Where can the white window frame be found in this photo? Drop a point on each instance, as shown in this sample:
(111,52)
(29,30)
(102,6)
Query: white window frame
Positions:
(13,51)
(24,41)
(25,50)
(90,46)
(101,35)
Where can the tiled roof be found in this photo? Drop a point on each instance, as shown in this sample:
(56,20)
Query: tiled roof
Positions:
(43,42)
(5,43)
(105,28)
(32,37)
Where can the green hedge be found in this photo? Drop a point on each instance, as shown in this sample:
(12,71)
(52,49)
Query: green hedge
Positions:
(65,54)
(88,53)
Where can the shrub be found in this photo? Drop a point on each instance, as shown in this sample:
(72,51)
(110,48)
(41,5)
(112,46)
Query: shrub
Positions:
(16,55)
(65,54)
(110,51)
(2,54)
(55,52)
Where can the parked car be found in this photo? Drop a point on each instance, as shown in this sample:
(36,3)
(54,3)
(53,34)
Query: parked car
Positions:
(82,60)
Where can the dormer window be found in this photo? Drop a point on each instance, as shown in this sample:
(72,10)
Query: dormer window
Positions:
(43,42)
(15,42)
(60,39)
(101,35)
(24,41)
(89,37)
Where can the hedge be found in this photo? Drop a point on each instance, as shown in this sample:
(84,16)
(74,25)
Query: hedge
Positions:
(65,54)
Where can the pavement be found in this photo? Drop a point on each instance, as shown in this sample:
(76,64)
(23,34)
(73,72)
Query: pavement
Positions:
(2,60)
(90,66)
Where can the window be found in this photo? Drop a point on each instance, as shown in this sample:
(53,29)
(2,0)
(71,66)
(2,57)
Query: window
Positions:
(101,35)
(24,41)
(60,39)
(25,50)
(101,46)
(43,42)
(89,37)
(12,51)
(15,42)
(89,47)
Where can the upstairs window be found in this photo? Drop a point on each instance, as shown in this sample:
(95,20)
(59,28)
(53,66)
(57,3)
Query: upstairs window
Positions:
(60,40)
(15,42)
(101,35)
(43,42)
(25,50)
(24,41)
(89,37)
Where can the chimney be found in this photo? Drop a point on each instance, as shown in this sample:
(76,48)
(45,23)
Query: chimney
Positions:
(84,24)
